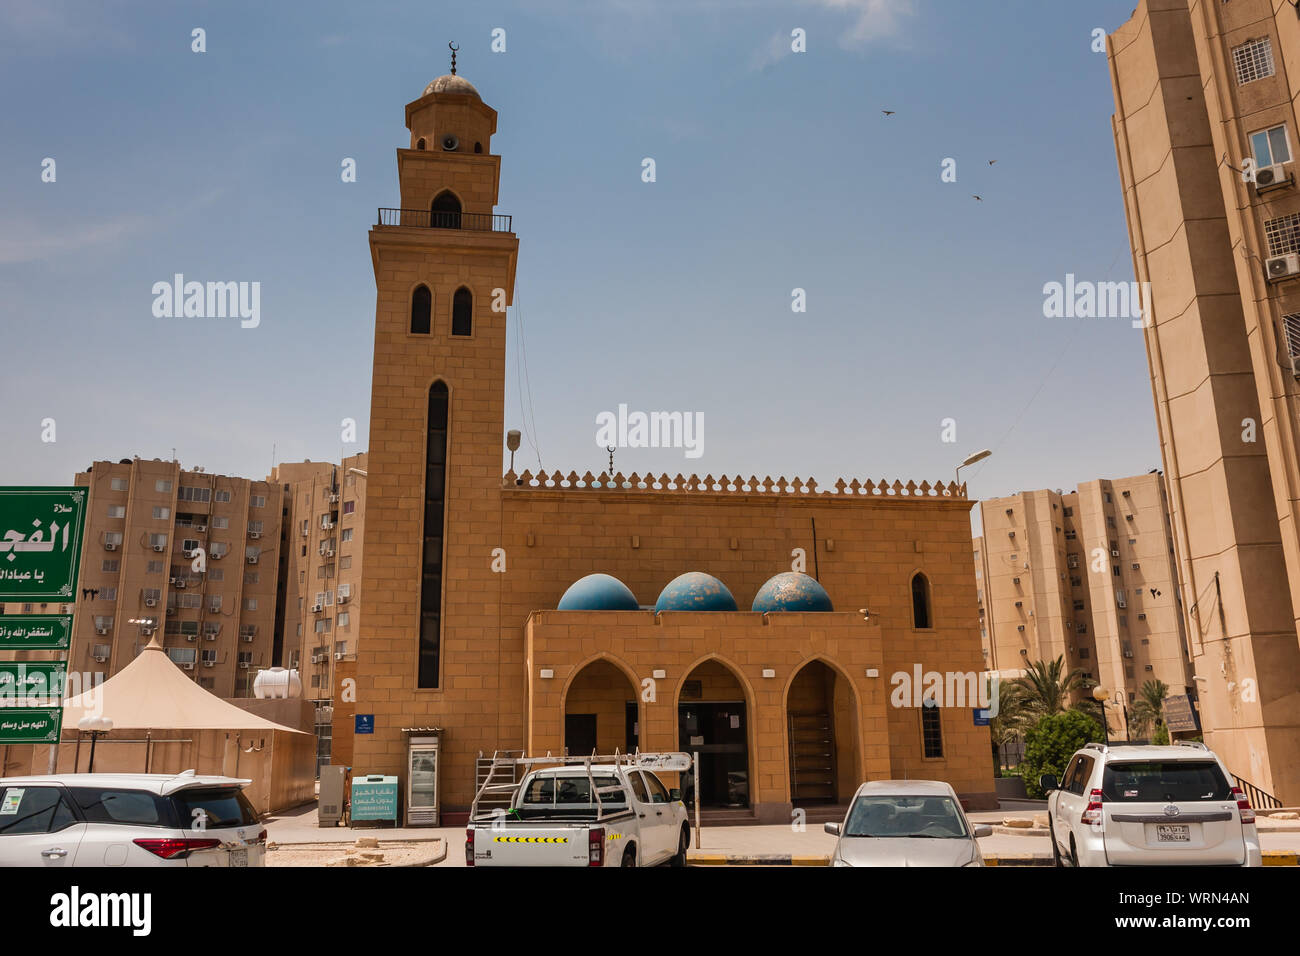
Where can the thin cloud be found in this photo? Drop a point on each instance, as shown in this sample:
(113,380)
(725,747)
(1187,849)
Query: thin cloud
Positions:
(872,19)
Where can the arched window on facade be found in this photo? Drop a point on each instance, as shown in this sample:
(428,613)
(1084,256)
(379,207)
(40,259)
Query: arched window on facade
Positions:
(419,143)
(921,616)
(421,307)
(462,312)
(444,212)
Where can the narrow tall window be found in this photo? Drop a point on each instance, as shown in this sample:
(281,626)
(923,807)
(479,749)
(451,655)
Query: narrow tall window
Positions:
(444,213)
(421,306)
(435,487)
(920,600)
(462,312)
(931,734)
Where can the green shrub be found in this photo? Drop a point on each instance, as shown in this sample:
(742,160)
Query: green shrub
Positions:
(1051,742)
(1161,737)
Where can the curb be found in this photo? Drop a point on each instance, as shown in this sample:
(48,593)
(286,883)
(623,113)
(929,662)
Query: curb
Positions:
(756,859)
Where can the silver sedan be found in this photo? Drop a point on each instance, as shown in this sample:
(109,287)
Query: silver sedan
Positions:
(906,823)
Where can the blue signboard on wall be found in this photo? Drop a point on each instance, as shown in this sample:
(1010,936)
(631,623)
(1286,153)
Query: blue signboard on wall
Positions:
(365,724)
(981,716)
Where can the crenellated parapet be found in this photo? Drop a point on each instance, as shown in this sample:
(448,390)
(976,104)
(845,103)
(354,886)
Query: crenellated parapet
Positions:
(727,485)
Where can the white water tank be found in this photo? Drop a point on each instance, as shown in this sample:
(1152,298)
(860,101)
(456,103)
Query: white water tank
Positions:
(277,683)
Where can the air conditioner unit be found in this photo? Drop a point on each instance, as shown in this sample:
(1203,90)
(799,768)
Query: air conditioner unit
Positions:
(160,548)
(1011,534)
(316,607)
(1128,653)
(1267,177)
(201,528)
(1142,617)
(99,658)
(1020,627)
(147,629)
(216,555)
(171,580)
(102,630)
(187,665)
(1148,668)
(329,553)
(191,637)
(338,656)
(315,658)
(1136,566)
(1282,267)
(1114,554)
(1125,493)
(304,532)
(209,663)
(334,498)
(246,638)
(1018,603)
(209,636)
(344,598)
(243,665)
(1128,517)
(252,559)
(150,602)
(109,546)
(254,534)
(188,552)
(1015,580)
(180,585)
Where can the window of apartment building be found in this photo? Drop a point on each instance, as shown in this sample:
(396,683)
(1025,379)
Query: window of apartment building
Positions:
(188,599)
(1067,512)
(157,541)
(190,493)
(347,535)
(1110,521)
(1253,60)
(153,567)
(344,619)
(219,495)
(109,594)
(111,565)
(1076,581)
(327,570)
(212,628)
(214,603)
(304,551)
(1271,146)
(216,574)
(100,651)
(1078,605)
(245,657)
(209,656)
(221,523)
(1082,628)
(1071,535)
(931,734)
(103,623)
(252,553)
(255,527)
(345,590)
(117,511)
(1283,234)
(1132,540)
(118,484)
(257,501)
(1120,598)
(323,626)
(252,577)
(345,562)
(1083,653)
(1106,495)
(182,655)
(349,507)
(250,604)
(114,538)
(1291,333)
(1072,561)
(189,544)
(1115,569)
(315,680)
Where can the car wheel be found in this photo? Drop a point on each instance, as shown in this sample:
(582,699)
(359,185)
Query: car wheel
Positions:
(629,857)
(683,844)
(1056,849)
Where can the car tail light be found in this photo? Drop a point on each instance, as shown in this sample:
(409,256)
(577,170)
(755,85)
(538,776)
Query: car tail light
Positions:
(469,846)
(596,846)
(175,849)
(1092,813)
(1243,806)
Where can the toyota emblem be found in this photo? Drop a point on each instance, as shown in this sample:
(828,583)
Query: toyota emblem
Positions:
(1171,811)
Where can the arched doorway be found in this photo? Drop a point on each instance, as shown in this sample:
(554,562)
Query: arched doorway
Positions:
(444,211)
(821,721)
(600,711)
(713,721)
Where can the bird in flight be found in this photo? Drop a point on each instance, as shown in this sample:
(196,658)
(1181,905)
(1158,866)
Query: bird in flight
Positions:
(977,198)
(992,161)
(888,112)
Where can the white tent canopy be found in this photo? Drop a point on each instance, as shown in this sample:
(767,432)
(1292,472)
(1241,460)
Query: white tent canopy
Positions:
(151,693)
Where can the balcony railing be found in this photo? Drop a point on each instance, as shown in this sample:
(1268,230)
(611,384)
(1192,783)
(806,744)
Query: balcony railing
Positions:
(426,219)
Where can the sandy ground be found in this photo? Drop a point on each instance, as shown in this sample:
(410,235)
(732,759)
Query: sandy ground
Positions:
(405,853)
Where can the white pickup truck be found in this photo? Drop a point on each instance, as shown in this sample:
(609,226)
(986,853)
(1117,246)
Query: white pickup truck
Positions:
(583,813)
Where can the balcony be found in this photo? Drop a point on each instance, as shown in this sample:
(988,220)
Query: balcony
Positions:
(426,219)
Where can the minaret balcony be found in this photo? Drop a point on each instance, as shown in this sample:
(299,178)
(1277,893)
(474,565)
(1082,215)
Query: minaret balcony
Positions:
(427,219)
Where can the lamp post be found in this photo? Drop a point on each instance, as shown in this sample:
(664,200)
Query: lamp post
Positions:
(96,727)
(1101,695)
(970,460)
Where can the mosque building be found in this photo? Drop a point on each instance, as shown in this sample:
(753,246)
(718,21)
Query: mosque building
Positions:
(763,624)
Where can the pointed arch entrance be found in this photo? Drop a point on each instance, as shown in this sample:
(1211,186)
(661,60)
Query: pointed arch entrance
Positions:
(713,712)
(600,711)
(822,738)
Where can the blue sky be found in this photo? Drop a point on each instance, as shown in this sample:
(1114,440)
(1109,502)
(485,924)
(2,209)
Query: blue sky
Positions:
(775,171)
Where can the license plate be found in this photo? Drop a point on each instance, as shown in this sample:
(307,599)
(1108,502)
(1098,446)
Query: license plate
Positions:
(239,858)
(1173,833)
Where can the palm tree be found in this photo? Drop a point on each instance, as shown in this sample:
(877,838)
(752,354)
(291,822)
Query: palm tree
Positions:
(1047,688)
(1148,710)
(1010,721)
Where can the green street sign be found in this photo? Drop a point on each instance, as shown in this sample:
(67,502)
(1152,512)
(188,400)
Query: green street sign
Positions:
(30,725)
(40,542)
(31,681)
(35,632)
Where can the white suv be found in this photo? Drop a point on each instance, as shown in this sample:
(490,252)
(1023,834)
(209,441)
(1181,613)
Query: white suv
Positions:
(128,819)
(1149,806)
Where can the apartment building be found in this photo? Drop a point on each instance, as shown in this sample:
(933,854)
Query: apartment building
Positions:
(1091,576)
(1205,131)
(184,553)
(320,566)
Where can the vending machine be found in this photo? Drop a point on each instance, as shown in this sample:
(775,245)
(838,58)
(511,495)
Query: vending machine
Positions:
(422,779)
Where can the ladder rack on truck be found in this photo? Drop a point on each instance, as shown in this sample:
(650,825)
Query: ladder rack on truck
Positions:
(503,780)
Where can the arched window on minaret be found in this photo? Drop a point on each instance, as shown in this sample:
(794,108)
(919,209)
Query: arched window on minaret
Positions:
(921,616)
(419,143)
(435,494)
(421,307)
(444,213)
(462,312)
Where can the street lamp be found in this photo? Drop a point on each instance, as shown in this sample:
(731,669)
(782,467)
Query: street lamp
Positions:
(1101,695)
(96,727)
(970,460)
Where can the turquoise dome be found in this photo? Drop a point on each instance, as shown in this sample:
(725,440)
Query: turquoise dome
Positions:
(598,592)
(792,591)
(695,591)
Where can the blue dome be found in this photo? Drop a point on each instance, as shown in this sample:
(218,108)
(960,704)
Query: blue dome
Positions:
(792,591)
(598,592)
(695,591)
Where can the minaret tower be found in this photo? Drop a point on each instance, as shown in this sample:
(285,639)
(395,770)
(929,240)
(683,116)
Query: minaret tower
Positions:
(444,270)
